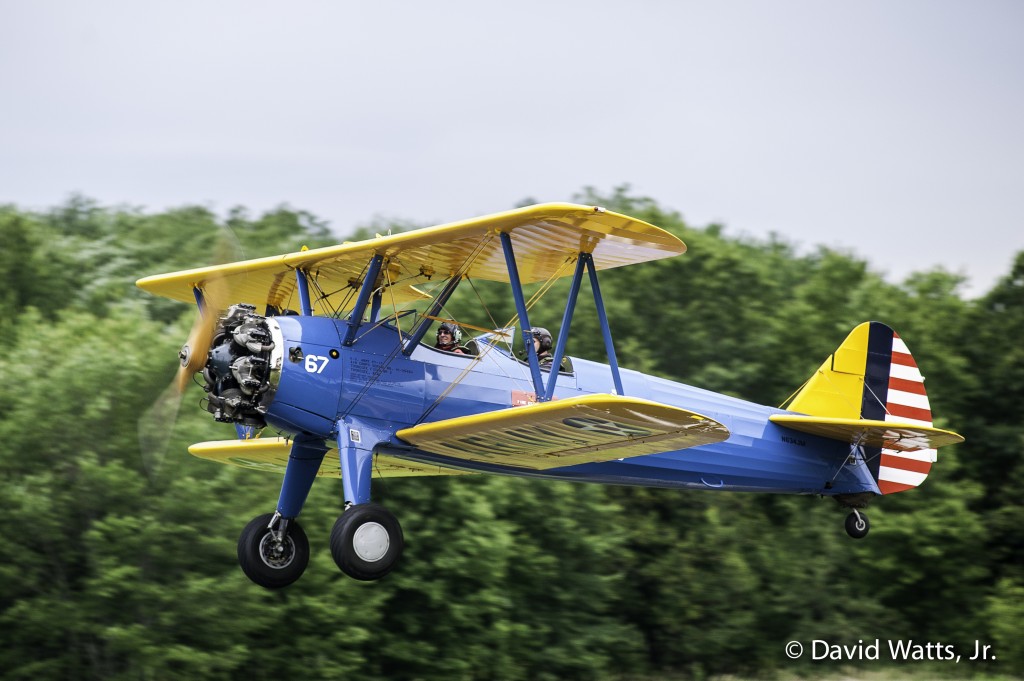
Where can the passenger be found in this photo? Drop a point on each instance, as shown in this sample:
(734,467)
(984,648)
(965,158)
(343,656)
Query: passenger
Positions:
(448,337)
(542,346)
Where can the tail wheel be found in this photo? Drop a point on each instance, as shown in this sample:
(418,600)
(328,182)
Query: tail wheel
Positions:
(857,525)
(366,541)
(273,559)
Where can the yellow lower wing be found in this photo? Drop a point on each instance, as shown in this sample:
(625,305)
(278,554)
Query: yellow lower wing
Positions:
(567,432)
(903,437)
(271,454)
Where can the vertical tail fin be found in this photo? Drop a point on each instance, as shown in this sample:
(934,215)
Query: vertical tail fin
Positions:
(873,376)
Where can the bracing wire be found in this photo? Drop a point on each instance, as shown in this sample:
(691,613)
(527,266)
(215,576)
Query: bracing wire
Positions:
(462,270)
(795,393)
(542,291)
(494,324)
(557,274)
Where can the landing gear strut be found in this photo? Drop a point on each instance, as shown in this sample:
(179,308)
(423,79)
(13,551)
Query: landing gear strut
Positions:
(857,524)
(273,551)
(366,541)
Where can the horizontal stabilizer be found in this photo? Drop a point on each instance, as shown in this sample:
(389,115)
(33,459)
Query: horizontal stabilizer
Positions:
(578,430)
(271,454)
(901,437)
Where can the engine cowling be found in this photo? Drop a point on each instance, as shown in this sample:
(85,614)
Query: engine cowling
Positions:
(243,367)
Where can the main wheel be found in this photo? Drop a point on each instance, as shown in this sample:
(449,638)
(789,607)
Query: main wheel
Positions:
(857,525)
(268,562)
(366,541)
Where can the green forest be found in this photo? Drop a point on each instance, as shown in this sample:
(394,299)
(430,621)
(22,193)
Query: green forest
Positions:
(116,570)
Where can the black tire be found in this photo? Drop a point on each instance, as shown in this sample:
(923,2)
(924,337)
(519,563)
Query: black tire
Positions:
(270,566)
(857,527)
(367,541)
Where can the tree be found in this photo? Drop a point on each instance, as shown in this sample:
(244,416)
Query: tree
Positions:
(113,573)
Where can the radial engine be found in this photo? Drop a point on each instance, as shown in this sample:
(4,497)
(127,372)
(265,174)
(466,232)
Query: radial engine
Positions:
(242,369)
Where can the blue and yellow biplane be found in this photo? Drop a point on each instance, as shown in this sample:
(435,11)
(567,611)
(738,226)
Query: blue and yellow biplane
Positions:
(325,349)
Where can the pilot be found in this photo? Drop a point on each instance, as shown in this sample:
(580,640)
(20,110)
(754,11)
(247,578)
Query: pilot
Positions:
(542,345)
(448,337)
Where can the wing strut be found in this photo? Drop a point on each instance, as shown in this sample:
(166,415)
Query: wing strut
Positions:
(585,261)
(517,294)
(369,283)
(200,300)
(603,318)
(302,286)
(563,332)
(378,300)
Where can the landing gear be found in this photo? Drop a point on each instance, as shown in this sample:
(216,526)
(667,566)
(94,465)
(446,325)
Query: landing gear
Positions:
(857,524)
(273,551)
(366,541)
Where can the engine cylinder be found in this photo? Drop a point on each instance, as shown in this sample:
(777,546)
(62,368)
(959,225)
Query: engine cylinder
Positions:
(241,367)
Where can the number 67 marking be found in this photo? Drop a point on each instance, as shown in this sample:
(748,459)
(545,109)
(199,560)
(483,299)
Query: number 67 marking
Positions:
(311,364)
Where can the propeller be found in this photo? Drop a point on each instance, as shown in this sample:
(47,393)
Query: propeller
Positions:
(194,352)
(156,424)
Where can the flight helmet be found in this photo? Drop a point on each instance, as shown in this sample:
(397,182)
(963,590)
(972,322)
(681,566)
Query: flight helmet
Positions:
(454,330)
(544,336)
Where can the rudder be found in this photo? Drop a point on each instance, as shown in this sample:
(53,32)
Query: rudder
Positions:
(873,376)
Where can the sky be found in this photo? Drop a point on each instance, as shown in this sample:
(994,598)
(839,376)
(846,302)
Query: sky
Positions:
(890,129)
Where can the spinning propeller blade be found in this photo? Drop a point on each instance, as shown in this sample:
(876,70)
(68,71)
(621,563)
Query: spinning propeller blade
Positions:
(155,426)
(157,423)
(194,352)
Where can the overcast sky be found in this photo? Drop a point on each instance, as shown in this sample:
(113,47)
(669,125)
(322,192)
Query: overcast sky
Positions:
(894,129)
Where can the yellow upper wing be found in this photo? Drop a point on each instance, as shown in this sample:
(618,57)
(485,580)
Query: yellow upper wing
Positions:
(545,238)
(567,432)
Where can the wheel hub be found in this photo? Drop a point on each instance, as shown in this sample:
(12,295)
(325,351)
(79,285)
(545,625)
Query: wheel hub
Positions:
(277,554)
(370,542)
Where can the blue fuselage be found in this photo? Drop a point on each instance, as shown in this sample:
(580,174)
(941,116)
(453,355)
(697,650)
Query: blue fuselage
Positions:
(322,381)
